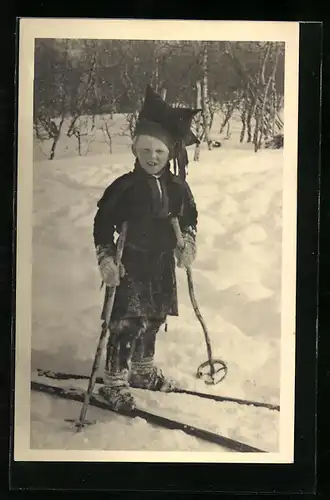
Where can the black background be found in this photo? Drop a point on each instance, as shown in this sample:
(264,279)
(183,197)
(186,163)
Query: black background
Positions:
(299,477)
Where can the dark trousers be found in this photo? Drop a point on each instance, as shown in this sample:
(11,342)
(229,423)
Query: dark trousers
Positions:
(131,339)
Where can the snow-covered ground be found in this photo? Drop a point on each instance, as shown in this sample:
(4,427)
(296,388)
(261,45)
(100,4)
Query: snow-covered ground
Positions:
(237,278)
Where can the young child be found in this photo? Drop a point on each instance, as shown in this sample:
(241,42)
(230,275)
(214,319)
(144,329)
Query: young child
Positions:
(146,198)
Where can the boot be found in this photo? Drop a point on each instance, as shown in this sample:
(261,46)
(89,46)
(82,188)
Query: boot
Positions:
(144,374)
(116,389)
(117,393)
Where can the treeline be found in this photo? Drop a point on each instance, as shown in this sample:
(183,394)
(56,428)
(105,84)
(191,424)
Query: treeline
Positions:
(77,77)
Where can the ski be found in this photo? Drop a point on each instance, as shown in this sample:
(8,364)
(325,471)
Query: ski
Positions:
(76,394)
(214,397)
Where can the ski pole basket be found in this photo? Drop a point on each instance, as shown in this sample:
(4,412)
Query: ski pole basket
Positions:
(209,370)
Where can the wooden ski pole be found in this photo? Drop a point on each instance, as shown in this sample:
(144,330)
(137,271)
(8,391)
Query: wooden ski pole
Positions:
(211,362)
(110,294)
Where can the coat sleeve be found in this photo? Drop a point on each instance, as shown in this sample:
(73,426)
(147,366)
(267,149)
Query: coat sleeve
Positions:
(189,215)
(104,226)
(103,234)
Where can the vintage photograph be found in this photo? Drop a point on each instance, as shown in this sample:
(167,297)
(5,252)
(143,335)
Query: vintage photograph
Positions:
(155,247)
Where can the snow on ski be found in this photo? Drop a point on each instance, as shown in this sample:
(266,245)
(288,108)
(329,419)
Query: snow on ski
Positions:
(72,376)
(155,417)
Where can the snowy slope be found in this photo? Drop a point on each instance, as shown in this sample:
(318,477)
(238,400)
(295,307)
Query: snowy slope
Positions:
(237,283)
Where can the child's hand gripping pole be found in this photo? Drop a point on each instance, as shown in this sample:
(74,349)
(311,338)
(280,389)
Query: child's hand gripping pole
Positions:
(109,301)
(210,362)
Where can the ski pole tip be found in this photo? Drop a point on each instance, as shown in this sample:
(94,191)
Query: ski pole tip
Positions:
(79,425)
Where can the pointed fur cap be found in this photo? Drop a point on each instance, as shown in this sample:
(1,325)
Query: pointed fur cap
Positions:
(159,119)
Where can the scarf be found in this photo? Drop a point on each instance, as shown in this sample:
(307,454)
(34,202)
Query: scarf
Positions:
(158,189)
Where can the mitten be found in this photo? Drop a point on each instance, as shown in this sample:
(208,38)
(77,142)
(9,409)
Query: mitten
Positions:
(186,256)
(110,271)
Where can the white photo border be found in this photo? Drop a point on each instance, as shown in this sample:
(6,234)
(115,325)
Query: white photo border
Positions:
(31,29)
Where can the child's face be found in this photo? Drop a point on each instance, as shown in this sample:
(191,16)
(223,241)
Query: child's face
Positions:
(152,153)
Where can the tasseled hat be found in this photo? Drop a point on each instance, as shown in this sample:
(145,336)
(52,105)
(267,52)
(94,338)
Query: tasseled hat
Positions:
(171,125)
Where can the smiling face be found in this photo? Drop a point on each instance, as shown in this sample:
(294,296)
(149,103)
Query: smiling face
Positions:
(152,153)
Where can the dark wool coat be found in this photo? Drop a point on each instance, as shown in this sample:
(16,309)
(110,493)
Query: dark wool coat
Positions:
(149,285)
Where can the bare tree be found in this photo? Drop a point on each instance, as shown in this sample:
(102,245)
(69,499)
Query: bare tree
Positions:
(50,108)
(198,120)
(83,92)
(261,96)
(255,86)
(262,125)
(78,78)
(205,96)
(274,105)
(243,112)
(80,129)
(250,114)
(107,133)
(256,90)
(227,110)
(52,129)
